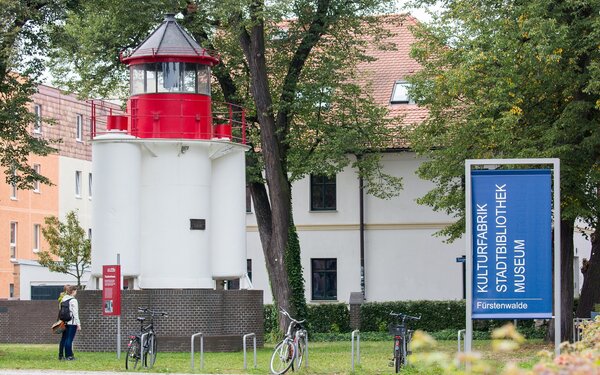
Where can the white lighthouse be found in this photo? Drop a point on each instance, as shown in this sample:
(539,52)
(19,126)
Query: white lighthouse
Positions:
(169,177)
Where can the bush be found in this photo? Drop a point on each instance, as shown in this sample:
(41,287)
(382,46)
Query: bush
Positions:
(441,318)
(327,318)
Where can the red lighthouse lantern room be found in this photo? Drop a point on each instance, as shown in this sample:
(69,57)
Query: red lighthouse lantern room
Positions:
(170,87)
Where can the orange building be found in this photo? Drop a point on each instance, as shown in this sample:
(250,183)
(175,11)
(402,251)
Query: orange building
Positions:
(22,212)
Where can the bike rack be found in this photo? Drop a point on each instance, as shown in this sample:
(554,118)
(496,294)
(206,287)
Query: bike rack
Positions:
(306,346)
(244,345)
(143,348)
(357,333)
(461,332)
(201,349)
(577,327)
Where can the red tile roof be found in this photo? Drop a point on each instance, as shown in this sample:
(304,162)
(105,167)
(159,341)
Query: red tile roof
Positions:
(393,65)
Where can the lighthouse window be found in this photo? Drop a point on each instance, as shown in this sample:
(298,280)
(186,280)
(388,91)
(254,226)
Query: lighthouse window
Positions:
(203,79)
(169,77)
(137,79)
(189,78)
(150,78)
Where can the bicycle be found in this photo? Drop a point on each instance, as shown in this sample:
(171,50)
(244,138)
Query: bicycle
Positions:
(402,337)
(143,345)
(291,349)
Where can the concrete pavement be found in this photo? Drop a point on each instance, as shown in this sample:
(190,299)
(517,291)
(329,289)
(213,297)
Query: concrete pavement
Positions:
(63,372)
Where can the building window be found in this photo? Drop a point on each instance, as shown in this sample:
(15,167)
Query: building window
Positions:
(11,290)
(248,200)
(37,125)
(36,237)
(90,234)
(78,184)
(36,184)
(322,193)
(13,187)
(249,268)
(400,93)
(13,240)
(90,185)
(79,128)
(324,279)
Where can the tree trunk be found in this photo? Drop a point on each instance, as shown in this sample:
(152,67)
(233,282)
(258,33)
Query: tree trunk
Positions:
(590,292)
(276,218)
(566,282)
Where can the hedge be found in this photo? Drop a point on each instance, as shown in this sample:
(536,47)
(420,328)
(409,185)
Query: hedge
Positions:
(443,317)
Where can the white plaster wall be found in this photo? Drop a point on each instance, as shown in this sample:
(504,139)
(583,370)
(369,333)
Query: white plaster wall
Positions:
(67,201)
(32,274)
(403,260)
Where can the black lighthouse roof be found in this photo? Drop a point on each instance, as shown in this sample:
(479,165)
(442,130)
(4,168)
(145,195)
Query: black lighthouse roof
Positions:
(170,42)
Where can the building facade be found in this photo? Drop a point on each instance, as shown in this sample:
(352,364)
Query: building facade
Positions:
(22,212)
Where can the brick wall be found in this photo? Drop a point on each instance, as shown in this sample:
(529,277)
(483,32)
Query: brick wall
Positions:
(224,316)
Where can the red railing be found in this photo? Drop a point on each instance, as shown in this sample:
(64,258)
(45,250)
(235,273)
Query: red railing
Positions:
(176,118)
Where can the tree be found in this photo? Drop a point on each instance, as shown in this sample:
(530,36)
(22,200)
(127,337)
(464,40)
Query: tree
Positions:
(291,63)
(22,39)
(512,79)
(70,250)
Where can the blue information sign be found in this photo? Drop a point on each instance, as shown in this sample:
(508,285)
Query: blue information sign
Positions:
(512,244)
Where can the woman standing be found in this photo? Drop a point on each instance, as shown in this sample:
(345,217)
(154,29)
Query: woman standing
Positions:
(65,349)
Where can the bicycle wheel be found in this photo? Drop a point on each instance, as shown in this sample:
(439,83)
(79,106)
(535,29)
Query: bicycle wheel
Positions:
(398,355)
(133,355)
(151,352)
(283,357)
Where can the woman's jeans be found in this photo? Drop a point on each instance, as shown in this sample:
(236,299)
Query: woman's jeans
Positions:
(65,349)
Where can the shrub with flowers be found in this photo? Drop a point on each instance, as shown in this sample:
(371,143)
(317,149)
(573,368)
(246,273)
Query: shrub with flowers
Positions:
(580,358)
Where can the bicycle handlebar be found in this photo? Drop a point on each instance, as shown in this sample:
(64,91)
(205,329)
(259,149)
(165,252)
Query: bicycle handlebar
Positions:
(282,310)
(404,316)
(152,312)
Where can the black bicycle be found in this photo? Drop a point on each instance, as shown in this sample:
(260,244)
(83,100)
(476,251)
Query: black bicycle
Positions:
(402,337)
(143,345)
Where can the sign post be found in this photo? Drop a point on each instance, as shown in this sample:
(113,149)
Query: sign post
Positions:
(111,297)
(509,217)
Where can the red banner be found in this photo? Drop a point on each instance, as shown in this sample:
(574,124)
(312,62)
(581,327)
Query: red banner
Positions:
(111,290)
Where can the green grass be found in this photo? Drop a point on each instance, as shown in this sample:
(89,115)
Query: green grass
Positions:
(324,358)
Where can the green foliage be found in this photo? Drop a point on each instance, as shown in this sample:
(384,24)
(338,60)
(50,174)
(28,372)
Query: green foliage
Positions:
(70,249)
(511,80)
(21,40)
(325,318)
(296,279)
(435,315)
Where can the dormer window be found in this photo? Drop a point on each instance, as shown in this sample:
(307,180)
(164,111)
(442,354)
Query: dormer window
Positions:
(400,93)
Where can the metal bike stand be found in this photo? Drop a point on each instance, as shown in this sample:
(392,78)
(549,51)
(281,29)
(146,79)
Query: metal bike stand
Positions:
(143,348)
(306,348)
(356,333)
(460,333)
(244,345)
(201,349)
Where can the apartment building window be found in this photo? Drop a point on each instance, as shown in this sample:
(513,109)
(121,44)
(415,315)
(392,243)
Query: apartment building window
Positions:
(78,184)
(400,93)
(13,188)
(11,290)
(36,237)
(322,193)
(37,125)
(13,240)
(90,185)
(324,279)
(36,184)
(79,128)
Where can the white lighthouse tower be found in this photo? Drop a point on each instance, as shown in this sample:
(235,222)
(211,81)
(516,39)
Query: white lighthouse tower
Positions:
(169,177)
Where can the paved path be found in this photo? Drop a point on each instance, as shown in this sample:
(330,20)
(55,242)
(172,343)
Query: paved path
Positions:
(63,372)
